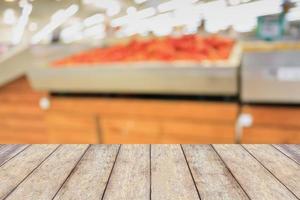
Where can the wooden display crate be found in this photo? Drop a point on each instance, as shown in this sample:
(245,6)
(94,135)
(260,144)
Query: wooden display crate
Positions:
(21,119)
(272,124)
(141,121)
(180,77)
(111,120)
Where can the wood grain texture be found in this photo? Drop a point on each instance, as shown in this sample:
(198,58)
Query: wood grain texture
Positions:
(257,182)
(212,178)
(274,116)
(22,121)
(71,172)
(270,135)
(152,121)
(21,109)
(26,98)
(26,122)
(46,180)
(18,135)
(90,175)
(109,107)
(115,138)
(129,130)
(70,120)
(19,167)
(272,125)
(130,178)
(134,130)
(171,178)
(197,132)
(291,150)
(9,151)
(71,128)
(287,171)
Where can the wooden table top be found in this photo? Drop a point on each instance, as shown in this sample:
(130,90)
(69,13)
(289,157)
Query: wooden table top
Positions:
(160,172)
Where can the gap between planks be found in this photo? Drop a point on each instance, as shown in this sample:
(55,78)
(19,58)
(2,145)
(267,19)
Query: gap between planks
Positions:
(150,171)
(71,172)
(111,171)
(294,156)
(31,172)
(187,163)
(14,153)
(269,170)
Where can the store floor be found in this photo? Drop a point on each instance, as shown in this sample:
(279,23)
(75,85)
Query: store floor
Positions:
(166,172)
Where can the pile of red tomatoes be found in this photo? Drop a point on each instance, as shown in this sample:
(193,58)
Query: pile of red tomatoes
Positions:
(167,49)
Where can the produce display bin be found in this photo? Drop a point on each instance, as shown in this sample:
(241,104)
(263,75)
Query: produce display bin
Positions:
(16,62)
(271,77)
(178,78)
(9,68)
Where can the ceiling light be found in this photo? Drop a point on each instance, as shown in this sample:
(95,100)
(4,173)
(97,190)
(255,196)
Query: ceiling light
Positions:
(53,24)
(139,1)
(112,7)
(234,2)
(9,17)
(132,16)
(92,20)
(19,29)
(147,12)
(174,4)
(131,10)
(94,30)
(32,26)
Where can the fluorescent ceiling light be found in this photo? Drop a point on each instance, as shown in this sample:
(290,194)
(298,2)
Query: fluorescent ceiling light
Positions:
(133,16)
(53,24)
(94,30)
(95,19)
(32,26)
(9,17)
(19,29)
(139,1)
(147,12)
(174,4)
(112,7)
(131,10)
(234,2)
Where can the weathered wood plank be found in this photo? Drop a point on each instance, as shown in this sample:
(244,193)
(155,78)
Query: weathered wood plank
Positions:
(292,151)
(286,170)
(46,180)
(91,174)
(9,151)
(14,171)
(130,178)
(171,178)
(212,178)
(253,177)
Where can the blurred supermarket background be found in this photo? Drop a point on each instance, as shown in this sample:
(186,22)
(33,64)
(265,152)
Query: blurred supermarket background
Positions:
(149,71)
